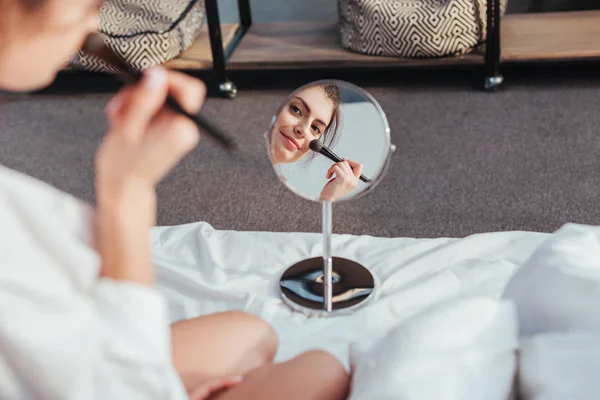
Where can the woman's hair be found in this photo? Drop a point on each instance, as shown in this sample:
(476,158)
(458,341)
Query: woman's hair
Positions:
(330,136)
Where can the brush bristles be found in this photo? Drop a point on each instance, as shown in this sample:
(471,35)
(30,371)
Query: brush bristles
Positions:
(316,146)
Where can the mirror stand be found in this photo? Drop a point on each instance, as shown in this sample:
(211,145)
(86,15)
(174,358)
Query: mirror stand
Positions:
(327,285)
(327,258)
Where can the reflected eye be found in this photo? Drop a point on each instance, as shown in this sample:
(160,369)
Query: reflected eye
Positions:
(316,129)
(295,110)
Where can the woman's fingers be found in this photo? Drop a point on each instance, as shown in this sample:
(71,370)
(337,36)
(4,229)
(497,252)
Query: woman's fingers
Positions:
(335,169)
(346,168)
(135,105)
(355,167)
(169,139)
(188,91)
(113,107)
(141,102)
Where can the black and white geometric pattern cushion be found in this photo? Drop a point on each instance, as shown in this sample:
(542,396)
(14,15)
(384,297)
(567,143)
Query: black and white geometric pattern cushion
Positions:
(413,28)
(146,32)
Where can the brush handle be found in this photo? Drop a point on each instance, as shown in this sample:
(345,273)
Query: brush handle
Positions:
(335,158)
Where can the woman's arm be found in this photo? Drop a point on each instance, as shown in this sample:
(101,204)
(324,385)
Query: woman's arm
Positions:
(123,236)
(144,142)
(112,341)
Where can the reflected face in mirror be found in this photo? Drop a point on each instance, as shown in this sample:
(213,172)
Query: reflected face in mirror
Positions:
(312,113)
(329,141)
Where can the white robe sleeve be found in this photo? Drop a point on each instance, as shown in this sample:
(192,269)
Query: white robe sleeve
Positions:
(65,333)
(112,344)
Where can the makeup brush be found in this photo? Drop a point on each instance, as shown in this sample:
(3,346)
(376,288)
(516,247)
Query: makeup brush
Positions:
(95,45)
(320,148)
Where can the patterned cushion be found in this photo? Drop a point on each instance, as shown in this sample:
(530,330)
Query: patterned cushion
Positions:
(146,32)
(413,28)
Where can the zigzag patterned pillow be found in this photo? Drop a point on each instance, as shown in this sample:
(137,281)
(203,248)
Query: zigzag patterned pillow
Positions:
(146,32)
(413,28)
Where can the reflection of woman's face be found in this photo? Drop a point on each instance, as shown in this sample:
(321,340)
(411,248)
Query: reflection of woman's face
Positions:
(303,118)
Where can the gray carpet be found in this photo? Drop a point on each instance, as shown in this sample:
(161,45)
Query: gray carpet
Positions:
(525,158)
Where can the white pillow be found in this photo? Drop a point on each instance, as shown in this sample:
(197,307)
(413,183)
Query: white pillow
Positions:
(560,366)
(462,350)
(558,288)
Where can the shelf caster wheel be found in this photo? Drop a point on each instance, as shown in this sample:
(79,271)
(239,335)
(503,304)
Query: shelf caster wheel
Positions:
(493,82)
(228,89)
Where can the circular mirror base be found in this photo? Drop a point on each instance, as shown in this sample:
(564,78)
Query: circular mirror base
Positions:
(301,286)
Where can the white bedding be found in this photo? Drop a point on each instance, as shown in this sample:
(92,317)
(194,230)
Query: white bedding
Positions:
(448,317)
(202,270)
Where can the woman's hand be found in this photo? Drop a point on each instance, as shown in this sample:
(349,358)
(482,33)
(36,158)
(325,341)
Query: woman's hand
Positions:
(145,139)
(346,178)
(206,390)
(144,142)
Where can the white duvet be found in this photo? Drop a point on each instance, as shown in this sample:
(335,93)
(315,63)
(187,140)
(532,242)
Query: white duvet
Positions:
(439,315)
(203,270)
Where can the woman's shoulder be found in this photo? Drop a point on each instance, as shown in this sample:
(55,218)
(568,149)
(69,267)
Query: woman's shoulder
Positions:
(11,181)
(16,184)
(36,219)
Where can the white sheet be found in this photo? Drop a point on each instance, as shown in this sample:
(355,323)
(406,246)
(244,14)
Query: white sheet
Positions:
(464,349)
(556,293)
(202,270)
(558,288)
(560,366)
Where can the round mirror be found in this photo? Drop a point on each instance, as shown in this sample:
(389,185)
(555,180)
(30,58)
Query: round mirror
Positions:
(329,141)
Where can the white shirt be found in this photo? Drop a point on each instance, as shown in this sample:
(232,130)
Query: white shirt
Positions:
(65,333)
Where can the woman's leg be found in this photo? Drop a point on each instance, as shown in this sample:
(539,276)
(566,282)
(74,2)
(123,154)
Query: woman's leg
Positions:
(221,345)
(315,375)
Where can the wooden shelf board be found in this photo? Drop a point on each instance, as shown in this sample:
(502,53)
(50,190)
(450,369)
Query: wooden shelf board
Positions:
(313,45)
(551,36)
(199,56)
(525,37)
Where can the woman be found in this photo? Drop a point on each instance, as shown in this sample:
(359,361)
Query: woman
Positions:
(313,113)
(79,317)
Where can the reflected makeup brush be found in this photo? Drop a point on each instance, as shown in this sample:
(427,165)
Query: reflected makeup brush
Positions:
(320,148)
(95,45)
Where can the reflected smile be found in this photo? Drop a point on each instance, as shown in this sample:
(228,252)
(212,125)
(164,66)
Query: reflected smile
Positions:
(291,142)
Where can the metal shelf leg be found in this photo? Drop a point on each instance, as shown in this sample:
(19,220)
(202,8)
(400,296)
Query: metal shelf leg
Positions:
(225,86)
(492,53)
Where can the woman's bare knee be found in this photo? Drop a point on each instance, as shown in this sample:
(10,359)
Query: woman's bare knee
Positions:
(222,344)
(260,333)
(332,376)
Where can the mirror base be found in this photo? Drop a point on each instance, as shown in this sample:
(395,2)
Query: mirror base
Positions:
(301,287)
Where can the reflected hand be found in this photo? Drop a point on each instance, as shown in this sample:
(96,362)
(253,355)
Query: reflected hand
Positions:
(208,389)
(347,174)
